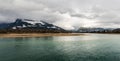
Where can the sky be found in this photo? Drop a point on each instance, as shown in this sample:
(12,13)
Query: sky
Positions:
(68,14)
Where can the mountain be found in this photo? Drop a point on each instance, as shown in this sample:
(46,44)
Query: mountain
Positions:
(90,30)
(27,25)
(98,30)
(4,25)
(116,30)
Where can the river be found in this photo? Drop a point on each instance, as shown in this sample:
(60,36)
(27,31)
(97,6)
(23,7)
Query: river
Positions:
(89,47)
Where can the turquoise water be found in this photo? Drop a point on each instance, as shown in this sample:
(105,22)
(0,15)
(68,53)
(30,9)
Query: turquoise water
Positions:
(91,47)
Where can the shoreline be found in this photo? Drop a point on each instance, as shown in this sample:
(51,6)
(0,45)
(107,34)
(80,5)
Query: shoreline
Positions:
(38,34)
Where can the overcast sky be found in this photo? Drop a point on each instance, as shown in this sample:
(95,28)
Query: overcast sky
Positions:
(68,14)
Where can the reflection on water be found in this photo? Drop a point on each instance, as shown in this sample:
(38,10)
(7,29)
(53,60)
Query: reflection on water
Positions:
(92,47)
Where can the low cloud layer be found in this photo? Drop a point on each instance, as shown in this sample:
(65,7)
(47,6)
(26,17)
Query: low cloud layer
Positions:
(68,14)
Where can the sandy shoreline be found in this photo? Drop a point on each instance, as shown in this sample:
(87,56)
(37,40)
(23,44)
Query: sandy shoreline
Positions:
(39,34)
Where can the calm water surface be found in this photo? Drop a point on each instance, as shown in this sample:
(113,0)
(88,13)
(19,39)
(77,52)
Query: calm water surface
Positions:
(92,47)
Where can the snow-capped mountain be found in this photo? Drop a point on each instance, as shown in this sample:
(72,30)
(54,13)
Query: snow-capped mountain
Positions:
(26,23)
(29,24)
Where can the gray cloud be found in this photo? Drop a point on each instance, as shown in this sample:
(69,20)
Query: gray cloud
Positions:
(69,14)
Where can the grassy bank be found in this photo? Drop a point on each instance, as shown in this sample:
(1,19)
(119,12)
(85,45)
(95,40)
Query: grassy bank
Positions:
(38,34)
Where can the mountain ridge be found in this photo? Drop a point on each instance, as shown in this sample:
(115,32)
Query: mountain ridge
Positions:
(30,26)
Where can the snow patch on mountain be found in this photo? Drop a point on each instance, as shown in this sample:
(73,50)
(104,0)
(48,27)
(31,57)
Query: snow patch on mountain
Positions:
(32,21)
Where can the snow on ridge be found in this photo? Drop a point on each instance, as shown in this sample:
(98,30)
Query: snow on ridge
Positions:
(32,21)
